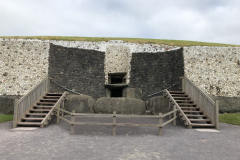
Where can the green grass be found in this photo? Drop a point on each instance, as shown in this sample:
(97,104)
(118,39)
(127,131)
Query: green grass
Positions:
(180,43)
(231,118)
(5,118)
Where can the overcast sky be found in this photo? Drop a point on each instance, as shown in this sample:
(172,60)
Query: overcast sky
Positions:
(197,20)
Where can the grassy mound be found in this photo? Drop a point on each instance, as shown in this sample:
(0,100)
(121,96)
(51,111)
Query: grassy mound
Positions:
(180,43)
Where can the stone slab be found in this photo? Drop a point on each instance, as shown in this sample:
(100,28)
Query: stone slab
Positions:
(79,103)
(207,130)
(24,129)
(120,105)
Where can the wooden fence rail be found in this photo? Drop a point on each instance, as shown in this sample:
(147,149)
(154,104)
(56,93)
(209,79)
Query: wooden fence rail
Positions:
(114,116)
(204,101)
(23,104)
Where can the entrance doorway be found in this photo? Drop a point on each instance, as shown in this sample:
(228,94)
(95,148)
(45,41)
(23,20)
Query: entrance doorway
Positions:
(116,84)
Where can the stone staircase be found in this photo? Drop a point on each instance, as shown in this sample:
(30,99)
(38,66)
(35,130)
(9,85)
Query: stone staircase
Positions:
(190,113)
(40,114)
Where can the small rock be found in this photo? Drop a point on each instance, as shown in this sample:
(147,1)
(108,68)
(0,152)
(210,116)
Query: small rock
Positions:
(5,74)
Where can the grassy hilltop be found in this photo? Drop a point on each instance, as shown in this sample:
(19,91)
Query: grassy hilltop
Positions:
(180,43)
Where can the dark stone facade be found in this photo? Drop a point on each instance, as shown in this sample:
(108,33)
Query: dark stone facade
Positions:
(153,72)
(7,104)
(82,70)
(79,70)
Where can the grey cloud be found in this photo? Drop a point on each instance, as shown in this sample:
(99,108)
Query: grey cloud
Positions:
(205,20)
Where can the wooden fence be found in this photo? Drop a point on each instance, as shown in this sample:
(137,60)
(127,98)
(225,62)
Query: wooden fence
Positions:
(27,101)
(61,112)
(204,101)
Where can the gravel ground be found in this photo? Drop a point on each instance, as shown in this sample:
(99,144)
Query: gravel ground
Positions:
(91,142)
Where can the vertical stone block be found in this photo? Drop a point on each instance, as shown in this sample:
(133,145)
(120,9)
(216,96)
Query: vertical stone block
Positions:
(132,93)
(80,103)
(157,104)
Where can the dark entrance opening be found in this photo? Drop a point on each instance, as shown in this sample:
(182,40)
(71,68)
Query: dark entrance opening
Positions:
(117,78)
(117,92)
(116,84)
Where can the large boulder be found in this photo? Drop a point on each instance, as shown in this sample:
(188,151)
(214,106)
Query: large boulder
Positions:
(121,105)
(157,104)
(132,93)
(80,103)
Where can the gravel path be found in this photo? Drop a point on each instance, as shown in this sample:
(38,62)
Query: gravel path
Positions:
(90,142)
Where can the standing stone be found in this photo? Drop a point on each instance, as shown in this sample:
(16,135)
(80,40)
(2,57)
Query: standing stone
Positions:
(157,104)
(120,105)
(80,103)
(132,93)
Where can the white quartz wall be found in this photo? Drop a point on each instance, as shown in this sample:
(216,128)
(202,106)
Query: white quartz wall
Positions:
(216,70)
(23,64)
(117,60)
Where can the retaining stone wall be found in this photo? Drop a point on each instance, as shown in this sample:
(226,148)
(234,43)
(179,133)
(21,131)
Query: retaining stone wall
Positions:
(80,70)
(7,104)
(216,70)
(153,72)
